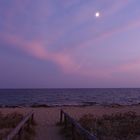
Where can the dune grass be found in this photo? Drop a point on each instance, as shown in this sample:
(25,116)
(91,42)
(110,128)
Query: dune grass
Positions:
(120,126)
(9,121)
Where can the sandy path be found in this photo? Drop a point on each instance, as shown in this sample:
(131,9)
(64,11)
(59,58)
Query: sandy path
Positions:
(46,124)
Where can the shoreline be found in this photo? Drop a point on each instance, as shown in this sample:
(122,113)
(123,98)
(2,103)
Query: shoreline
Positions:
(88,104)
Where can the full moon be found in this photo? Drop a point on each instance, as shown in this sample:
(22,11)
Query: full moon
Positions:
(97,14)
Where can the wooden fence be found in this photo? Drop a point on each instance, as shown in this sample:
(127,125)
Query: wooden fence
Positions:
(18,130)
(76,127)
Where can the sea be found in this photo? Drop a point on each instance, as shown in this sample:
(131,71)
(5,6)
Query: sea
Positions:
(60,97)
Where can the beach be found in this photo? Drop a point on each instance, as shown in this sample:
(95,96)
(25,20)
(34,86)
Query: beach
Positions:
(47,117)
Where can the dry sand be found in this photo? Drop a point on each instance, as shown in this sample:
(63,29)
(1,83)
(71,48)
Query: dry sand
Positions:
(47,118)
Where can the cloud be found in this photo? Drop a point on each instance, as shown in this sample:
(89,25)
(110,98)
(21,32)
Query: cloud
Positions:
(109,33)
(38,50)
(130,67)
(70,24)
(67,62)
(24,17)
(61,24)
(64,59)
(69,3)
(84,12)
(115,7)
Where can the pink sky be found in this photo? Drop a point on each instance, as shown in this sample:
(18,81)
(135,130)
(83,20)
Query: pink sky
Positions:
(51,44)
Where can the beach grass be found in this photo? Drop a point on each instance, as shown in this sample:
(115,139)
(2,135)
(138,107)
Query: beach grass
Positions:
(118,126)
(9,121)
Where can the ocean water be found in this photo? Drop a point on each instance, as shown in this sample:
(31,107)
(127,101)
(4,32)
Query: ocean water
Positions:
(52,97)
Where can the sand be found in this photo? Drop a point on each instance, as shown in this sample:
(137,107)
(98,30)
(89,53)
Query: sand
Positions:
(47,118)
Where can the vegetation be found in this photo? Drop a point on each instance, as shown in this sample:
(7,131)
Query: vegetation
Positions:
(10,121)
(120,126)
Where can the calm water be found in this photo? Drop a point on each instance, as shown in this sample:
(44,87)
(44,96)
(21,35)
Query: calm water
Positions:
(68,96)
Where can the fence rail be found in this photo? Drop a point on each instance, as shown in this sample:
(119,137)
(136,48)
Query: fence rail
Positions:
(76,127)
(17,131)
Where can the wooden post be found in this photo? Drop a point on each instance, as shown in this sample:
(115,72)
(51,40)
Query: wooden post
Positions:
(85,138)
(61,117)
(20,134)
(73,132)
(65,121)
(32,118)
(29,123)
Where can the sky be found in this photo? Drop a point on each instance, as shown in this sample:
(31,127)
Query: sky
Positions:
(62,44)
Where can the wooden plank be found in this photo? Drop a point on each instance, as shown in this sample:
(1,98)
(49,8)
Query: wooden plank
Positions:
(79,128)
(19,127)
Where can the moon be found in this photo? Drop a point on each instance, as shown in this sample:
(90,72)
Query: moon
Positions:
(97,14)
